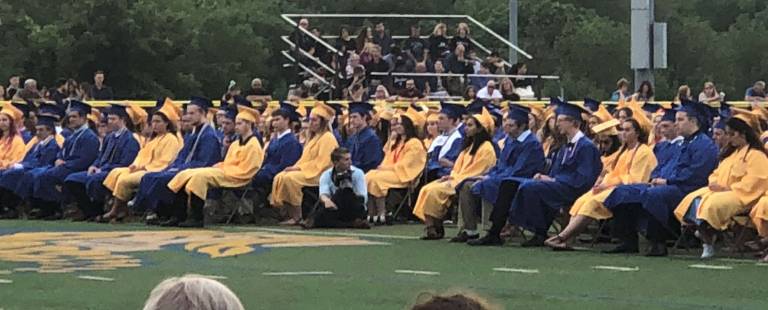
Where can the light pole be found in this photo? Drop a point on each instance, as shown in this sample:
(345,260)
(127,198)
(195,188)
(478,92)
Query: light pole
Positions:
(513,30)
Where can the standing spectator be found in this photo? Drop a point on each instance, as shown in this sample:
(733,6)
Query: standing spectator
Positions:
(382,38)
(508,90)
(644,92)
(415,46)
(30,91)
(458,63)
(100,91)
(709,94)
(301,39)
(59,92)
(410,92)
(83,92)
(489,92)
(72,89)
(756,92)
(439,46)
(365,36)
(377,64)
(344,43)
(622,90)
(461,37)
(13,87)
(258,92)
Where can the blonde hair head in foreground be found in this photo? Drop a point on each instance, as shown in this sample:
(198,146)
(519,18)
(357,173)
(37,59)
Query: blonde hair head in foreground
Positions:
(192,292)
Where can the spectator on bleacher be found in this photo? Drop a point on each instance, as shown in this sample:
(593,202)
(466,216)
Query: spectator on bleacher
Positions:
(507,90)
(258,92)
(480,81)
(100,91)
(13,87)
(622,90)
(489,92)
(353,63)
(458,63)
(363,37)
(2,92)
(523,86)
(381,93)
(709,94)
(410,92)
(422,82)
(358,87)
(232,90)
(318,49)
(497,64)
(644,92)
(377,64)
(470,93)
(29,92)
(683,94)
(437,85)
(756,92)
(344,43)
(461,37)
(439,46)
(301,39)
(382,38)
(415,46)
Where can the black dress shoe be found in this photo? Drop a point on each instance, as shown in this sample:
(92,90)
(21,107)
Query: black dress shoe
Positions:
(172,222)
(658,249)
(487,240)
(536,241)
(432,233)
(463,237)
(191,223)
(622,249)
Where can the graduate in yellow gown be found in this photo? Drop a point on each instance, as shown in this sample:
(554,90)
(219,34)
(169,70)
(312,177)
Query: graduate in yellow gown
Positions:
(404,160)
(141,130)
(157,153)
(734,187)
(243,161)
(431,131)
(12,148)
(476,158)
(315,158)
(759,217)
(634,163)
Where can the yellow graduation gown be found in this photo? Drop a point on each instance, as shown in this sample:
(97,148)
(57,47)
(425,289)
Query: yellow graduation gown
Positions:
(242,162)
(12,151)
(608,162)
(141,139)
(32,142)
(759,216)
(434,197)
(154,156)
(315,158)
(407,160)
(631,167)
(745,174)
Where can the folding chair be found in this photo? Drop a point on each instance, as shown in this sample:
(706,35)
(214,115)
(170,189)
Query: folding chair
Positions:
(247,188)
(410,191)
(736,234)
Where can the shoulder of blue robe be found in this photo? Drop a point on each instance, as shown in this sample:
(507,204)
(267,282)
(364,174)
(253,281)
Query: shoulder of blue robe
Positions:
(281,153)
(665,153)
(208,151)
(84,152)
(41,156)
(368,153)
(259,137)
(697,159)
(127,147)
(581,170)
(527,159)
(336,135)
(26,136)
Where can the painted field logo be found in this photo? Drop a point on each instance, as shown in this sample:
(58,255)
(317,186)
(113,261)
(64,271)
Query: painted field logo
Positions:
(56,252)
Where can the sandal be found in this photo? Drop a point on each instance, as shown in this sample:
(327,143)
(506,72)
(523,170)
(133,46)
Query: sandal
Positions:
(557,243)
(431,233)
(757,245)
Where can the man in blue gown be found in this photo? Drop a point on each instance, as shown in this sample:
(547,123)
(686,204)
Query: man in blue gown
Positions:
(364,144)
(445,149)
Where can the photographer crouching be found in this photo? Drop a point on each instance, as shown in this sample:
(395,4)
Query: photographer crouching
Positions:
(342,195)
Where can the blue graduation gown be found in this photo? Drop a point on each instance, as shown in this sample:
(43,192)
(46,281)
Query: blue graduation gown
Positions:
(37,160)
(537,202)
(366,149)
(281,153)
(519,159)
(153,188)
(433,162)
(687,170)
(78,153)
(117,151)
(26,135)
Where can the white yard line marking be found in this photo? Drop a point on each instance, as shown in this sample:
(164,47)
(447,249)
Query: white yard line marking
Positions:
(616,268)
(5,272)
(4,281)
(298,273)
(419,272)
(516,270)
(761,264)
(327,233)
(713,267)
(95,278)
(25,269)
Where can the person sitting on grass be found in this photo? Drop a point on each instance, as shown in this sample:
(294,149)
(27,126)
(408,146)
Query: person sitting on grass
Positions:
(342,195)
(243,160)
(477,157)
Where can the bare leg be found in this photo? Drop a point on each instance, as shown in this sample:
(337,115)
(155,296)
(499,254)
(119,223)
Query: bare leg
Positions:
(576,225)
(294,215)
(381,207)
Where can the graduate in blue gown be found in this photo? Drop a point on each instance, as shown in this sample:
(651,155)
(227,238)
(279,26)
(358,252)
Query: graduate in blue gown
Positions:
(669,147)
(78,153)
(649,207)
(16,182)
(364,144)
(118,150)
(26,108)
(537,201)
(201,149)
(446,147)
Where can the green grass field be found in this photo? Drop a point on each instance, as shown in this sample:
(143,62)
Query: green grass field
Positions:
(363,276)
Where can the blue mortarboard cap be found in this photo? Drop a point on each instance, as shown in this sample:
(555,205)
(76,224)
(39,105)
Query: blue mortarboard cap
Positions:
(556,101)
(591,104)
(362,108)
(571,110)
(240,100)
(51,109)
(79,106)
(202,102)
(452,110)
(159,102)
(669,115)
(698,110)
(47,120)
(720,124)
(651,107)
(24,107)
(116,109)
(337,108)
(725,110)
(291,109)
(476,107)
(230,112)
(518,113)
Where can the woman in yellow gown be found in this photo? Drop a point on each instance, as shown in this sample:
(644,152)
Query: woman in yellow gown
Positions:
(12,146)
(634,164)
(404,160)
(476,158)
(431,131)
(156,154)
(314,160)
(243,161)
(734,187)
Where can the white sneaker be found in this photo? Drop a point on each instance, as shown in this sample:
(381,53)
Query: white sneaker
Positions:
(708,252)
